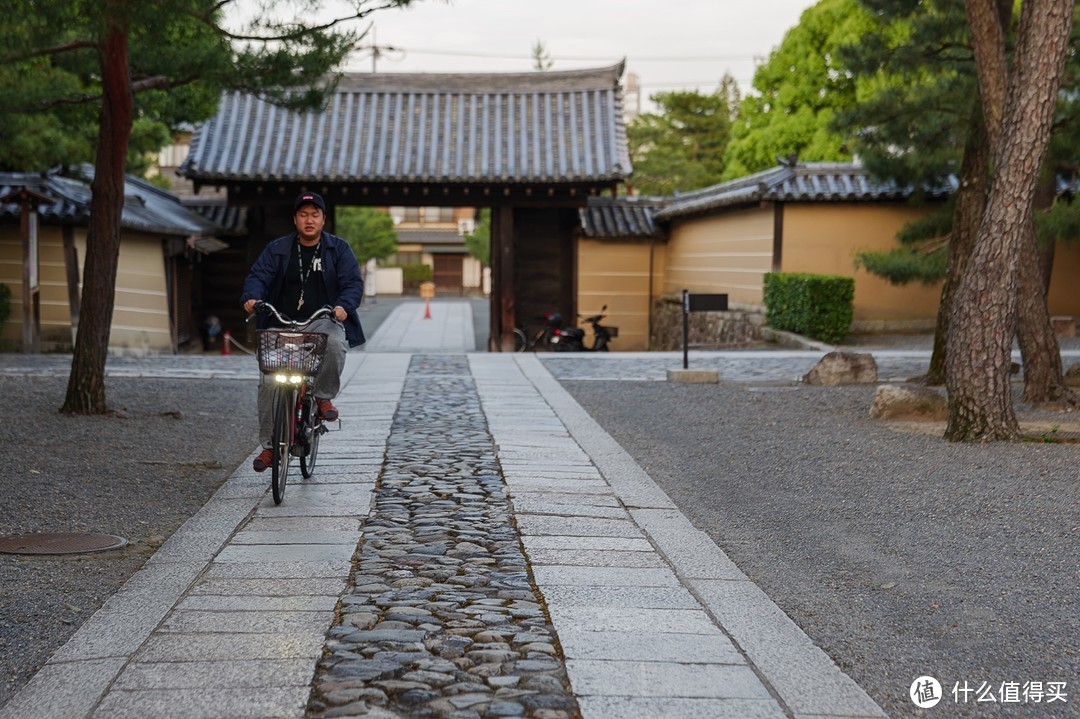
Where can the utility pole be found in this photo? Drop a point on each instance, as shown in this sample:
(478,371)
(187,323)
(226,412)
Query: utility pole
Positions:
(378,50)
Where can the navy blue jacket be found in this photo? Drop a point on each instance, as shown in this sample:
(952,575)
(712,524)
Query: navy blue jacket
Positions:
(340,272)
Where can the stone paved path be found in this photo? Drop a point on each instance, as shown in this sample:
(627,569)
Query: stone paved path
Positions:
(472,545)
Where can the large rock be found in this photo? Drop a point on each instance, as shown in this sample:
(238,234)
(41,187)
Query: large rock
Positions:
(837,368)
(909,402)
(1072,376)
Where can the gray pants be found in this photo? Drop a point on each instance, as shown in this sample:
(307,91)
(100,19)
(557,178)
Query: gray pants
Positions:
(327,381)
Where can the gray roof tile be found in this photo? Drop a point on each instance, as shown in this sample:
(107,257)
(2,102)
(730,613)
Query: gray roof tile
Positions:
(623,217)
(514,127)
(146,208)
(809,182)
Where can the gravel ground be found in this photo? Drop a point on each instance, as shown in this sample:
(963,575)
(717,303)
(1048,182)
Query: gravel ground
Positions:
(898,553)
(138,474)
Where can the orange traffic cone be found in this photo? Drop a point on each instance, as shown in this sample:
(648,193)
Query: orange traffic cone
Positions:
(226,338)
(427,309)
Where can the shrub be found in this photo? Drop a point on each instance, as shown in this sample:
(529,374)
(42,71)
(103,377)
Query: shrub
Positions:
(413,275)
(818,306)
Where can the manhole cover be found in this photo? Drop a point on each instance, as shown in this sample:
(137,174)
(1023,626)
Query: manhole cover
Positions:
(59,543)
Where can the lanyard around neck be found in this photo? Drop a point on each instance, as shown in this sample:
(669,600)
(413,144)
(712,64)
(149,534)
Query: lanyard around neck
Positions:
(300,263)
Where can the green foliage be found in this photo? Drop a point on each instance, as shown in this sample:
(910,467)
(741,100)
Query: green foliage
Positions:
(903,265)
(922,255)
(181,58)
(916,90)
(5,303)
(682,146)
(478,242)
(1060,222)
(541,57)
(800,89)
(369,231)
(818,306)
(415,274)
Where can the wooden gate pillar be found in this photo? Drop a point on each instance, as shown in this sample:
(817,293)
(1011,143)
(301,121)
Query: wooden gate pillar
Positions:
(503,319)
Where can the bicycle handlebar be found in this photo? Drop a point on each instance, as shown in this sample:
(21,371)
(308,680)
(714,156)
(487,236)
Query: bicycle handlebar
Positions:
(267,308)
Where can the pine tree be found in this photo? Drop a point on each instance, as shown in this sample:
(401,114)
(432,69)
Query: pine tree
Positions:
(98,68)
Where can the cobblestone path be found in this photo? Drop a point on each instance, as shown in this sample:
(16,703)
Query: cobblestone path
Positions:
(441,619)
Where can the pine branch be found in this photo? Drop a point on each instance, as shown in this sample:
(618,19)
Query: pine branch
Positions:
(157,82)
(298,33)
(46,51)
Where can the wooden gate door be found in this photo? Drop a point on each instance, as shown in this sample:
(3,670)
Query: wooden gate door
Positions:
(448,274)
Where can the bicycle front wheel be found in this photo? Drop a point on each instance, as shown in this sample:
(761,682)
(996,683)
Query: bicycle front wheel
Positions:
(307,460)
(282,439)
(520,340)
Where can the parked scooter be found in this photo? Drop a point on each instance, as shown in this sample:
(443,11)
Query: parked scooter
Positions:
(572,339)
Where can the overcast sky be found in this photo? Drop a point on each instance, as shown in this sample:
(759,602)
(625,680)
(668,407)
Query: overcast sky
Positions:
(669,44)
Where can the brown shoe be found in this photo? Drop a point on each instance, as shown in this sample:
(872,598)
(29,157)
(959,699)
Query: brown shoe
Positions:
(264,460)
(327,410)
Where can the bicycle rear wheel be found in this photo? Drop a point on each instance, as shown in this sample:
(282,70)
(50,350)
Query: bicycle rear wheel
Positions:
(520,340)
(283,408)
(307,460)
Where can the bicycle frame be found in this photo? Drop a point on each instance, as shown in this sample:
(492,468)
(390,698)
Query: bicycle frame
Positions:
(291,359)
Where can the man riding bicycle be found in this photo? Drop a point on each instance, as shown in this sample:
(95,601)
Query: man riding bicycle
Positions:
(299,273)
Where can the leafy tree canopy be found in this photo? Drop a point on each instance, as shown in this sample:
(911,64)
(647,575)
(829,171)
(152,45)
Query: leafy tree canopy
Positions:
(916,88)
(681,147)
(369,231)
(181,58)
(478,242)
(800,89)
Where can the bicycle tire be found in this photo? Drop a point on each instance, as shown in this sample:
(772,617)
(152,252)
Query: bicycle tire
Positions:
(307,460)
(283,408)
(520,340)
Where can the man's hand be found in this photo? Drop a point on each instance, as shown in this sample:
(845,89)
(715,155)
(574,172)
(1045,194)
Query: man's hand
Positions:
(249,306)
(340,314)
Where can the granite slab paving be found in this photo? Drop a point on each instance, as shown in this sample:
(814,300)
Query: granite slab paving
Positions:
(693,663)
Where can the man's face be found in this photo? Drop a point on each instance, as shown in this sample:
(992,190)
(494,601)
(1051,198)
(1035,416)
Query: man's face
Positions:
(309,221)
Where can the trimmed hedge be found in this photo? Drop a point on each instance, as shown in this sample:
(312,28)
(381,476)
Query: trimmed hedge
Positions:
(818,306)
(413,275)
(5,303)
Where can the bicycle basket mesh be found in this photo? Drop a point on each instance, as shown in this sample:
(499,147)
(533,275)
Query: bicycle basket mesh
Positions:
(290,351)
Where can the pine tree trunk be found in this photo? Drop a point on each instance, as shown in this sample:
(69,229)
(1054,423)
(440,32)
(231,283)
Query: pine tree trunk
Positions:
(86,384)
(967,213)
(983,320)
(1044,378)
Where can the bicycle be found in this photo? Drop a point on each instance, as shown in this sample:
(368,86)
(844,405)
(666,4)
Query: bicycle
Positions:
(292,358)
(542,337)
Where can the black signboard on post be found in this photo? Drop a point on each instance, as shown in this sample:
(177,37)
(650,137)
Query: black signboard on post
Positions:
(697,303)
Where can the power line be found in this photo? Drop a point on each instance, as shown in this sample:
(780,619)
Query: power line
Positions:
(597,58)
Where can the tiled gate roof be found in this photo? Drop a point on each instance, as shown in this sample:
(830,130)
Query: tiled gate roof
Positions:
(556,127)
(620,218)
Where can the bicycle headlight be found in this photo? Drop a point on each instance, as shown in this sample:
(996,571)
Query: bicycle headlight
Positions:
(283,378)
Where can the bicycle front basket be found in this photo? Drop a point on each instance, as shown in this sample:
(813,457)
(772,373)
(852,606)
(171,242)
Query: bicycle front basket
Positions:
(281,351)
